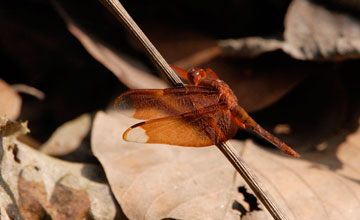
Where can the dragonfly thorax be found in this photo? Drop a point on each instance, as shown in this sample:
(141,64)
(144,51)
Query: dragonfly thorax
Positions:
(225,93)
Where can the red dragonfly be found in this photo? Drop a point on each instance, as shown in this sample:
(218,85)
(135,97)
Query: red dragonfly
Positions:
(202,113)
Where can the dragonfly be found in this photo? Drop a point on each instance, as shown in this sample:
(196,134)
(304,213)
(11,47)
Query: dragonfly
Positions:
(204,112)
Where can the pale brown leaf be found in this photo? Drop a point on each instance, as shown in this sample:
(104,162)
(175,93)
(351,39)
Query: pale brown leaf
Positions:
(249,47)
(68,136)
(3,214)
(324,187)
(161,181)
(37,184)
(132,73)
(312,32)
(129,71)
(6,205)
(152,181)
(10,101)
(66,201)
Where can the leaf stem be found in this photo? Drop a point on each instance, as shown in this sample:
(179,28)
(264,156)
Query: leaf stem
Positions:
(226,148)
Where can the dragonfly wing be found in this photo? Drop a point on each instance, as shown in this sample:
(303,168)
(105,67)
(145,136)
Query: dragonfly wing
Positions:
(204,127)
(149,104)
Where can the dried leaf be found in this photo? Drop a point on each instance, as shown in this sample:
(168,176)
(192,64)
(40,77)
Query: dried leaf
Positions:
(39,185)
(324,187)
(68,136)
(31,192)
(132,73)
(68,201)
(161,181)
(249,47)
(189,48)
(65,202)
(7,208)
(10,101)
(258,83)
(12,128)
(26,89)
(3,214)
(312,32)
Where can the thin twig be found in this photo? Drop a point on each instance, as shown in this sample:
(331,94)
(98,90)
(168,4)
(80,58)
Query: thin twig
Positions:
(226,148)
(252,180)
(116,8)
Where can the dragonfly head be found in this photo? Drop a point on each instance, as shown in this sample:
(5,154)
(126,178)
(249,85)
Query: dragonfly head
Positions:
(196,75)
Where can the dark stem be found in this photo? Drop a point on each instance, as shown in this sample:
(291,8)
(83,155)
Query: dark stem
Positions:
(116,8)
(226,148)
(252,180)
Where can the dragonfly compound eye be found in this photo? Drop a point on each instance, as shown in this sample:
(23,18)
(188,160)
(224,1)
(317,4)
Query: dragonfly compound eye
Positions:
(196,75)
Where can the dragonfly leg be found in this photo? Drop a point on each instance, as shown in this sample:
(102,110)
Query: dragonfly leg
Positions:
(183,73)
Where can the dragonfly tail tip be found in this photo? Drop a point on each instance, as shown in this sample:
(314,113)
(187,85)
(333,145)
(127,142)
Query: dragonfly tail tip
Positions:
(289,151)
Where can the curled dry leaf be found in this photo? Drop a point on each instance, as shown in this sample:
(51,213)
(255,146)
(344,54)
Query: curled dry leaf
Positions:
(125,69)
(26,89)
(312,32)
(152,181)
(132,73)
(10,101)
(68,136)
(37,185)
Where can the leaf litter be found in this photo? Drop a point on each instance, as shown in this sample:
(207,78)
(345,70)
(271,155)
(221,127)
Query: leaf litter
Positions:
(153,182)
(36,185)
(10,101)
(160,181)
(313,31)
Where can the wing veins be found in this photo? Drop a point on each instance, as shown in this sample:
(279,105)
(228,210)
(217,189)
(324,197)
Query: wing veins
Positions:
(189,129)
(167,102)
